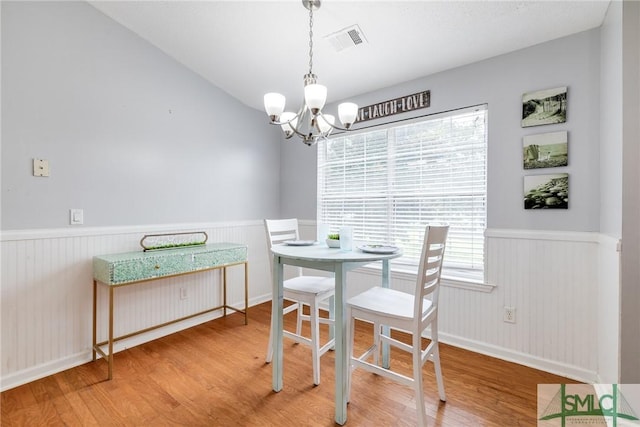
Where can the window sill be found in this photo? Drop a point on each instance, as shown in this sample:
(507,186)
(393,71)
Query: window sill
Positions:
(447,279)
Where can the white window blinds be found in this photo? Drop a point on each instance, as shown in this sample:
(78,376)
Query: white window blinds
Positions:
(389,183)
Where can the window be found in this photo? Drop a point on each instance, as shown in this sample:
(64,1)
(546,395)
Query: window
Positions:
(388,183)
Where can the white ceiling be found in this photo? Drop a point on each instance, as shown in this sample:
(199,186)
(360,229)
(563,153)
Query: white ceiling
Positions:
(248,48)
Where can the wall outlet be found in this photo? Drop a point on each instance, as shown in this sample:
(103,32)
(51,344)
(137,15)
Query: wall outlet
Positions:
(183,293)
(509,314)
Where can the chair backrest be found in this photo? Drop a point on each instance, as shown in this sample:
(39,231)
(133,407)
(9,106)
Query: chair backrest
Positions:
(428,280)
(278,231)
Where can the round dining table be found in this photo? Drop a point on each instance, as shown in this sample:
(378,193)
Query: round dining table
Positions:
(319,256)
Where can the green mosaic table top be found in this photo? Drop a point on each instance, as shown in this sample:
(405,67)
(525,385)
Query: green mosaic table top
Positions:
(130,267)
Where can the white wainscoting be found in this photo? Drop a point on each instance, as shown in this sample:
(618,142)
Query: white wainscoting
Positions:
(608,297)
(46,293)
(551,278)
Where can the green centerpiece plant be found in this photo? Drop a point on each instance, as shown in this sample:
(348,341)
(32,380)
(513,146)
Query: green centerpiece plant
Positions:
(333,240)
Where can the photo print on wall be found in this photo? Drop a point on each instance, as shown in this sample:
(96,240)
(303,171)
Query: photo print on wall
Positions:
(545,150)
(546,191)
(544,107)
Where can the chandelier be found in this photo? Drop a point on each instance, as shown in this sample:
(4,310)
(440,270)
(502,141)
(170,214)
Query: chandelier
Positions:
(309,123)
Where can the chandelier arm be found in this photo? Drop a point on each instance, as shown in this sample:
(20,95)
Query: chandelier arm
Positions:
(296,131)
(329,123)
(299,119)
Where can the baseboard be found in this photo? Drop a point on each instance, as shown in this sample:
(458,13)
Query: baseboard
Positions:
(553,367)
(550,366)
(53,367)
(41,371)
(28,375)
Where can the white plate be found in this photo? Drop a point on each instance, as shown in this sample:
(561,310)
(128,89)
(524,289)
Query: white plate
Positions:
(378,249)
(300,242)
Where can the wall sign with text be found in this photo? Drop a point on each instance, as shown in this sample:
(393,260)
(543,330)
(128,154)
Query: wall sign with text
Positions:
(395,106)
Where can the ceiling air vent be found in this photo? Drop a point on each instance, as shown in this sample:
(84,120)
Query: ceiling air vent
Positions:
(346,38)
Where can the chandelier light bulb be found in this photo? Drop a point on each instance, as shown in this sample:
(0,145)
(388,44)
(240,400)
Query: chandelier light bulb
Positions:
(347,111)
(289,122)
(325,123)
(274,105)
(315,96)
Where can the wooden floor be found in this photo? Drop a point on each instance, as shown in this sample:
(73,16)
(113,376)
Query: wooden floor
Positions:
(214,374)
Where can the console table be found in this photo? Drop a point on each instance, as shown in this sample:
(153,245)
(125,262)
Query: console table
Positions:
(131,268)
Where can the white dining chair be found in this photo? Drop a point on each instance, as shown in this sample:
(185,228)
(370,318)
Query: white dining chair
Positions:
(302,290)
(411,313)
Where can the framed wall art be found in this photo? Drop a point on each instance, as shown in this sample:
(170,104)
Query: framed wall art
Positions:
(544,107)
(545,150)
(546,191)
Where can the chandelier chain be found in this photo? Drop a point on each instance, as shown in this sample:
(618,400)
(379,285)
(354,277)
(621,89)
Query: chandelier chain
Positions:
(311,40)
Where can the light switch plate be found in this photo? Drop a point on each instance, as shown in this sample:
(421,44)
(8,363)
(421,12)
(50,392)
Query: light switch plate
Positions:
(76,216)
(40,167)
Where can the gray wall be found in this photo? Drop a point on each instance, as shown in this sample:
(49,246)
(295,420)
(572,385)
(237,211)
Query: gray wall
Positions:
(500,82)
(611,121)
(630,257)
(620,177)
(132,136)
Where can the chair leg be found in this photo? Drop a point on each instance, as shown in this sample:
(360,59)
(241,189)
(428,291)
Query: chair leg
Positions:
(436,364)
(436,360)
(315,341)
(332,316)
(376,343)
(417,380)
(299,318)
(269,357)
(350,345)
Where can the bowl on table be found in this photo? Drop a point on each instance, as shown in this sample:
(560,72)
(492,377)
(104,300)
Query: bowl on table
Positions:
(333,243)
